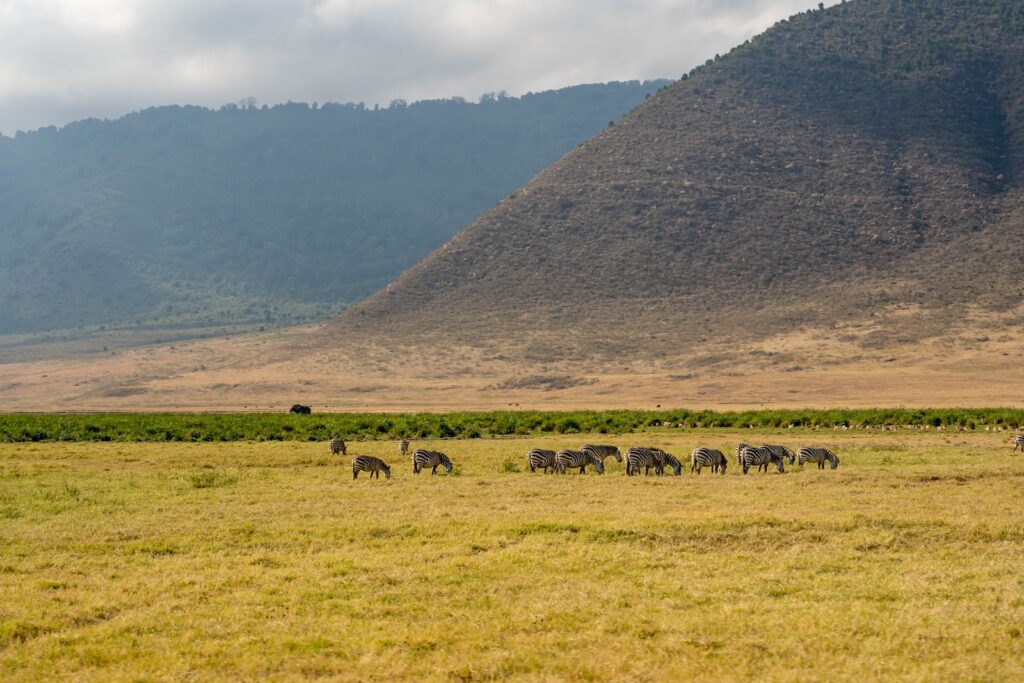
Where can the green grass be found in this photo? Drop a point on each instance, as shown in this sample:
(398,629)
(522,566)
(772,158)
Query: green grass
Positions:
(265,561)
(199,427)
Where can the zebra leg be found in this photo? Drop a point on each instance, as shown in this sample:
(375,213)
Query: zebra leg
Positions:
(355,474)
(434,471)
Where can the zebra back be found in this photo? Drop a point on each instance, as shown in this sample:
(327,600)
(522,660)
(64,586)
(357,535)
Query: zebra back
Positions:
(337,446)
(566,459)
(603,452)
(370,464)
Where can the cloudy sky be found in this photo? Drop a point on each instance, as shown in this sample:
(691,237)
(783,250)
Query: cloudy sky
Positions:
(62,60)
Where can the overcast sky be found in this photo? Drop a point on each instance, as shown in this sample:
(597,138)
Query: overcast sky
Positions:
(63,60)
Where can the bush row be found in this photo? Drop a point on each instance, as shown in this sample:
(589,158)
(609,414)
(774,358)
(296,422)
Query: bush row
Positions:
(126,427)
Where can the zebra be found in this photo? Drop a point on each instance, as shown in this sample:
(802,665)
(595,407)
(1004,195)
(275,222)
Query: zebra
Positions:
(337,446)
(782,452)
(1018,442)
(643,457)
(708,457)
(668,459)
(818,455)
(372,465)
(739,453)
(422,459)
(541,458)
(566,459)
(752,455)
(603,452)
(403,447)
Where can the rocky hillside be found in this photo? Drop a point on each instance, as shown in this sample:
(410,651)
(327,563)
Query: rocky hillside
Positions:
(849,162)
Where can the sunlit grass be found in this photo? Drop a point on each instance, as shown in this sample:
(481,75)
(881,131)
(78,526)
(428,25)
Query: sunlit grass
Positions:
(257,561)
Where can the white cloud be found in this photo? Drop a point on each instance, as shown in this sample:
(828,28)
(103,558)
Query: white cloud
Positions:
(62,60)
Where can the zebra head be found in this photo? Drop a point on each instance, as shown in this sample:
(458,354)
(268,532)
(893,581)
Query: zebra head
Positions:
(387,470)
(446,463)
(677,467)
(778,460)
(617,455)
(722,465)
(834,462)
(789,454)
(598,465)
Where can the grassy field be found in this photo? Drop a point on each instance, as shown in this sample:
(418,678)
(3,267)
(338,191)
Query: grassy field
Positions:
(252,561)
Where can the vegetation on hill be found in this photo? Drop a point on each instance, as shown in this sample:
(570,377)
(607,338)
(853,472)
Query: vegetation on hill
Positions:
(144,427)
(261,214)
(847,161)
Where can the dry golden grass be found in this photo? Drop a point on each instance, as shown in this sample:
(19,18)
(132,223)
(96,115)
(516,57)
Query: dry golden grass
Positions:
(856,364)
(266,561)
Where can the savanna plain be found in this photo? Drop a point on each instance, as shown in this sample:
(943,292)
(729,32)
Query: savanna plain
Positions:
(266,561)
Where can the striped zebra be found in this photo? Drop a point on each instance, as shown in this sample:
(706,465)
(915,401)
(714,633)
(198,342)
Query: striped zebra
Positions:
(370,464)
(751,456)
(422,459)
(818,455)
(1018,442)
(602,452)
(708,457)
(542,459)
(403,447)
(567,459)
(643,457)
(337,446)
(782,452)
(670,460)
(739,453)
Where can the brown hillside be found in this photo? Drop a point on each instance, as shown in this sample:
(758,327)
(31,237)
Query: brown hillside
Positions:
(860,158)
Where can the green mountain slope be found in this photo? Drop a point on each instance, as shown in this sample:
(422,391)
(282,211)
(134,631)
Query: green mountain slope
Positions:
(251,214)
(846,162)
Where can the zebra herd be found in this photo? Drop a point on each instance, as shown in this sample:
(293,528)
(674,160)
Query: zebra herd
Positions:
(748,457)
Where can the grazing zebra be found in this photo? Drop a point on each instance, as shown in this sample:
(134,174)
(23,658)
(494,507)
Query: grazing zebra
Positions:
(543,459)
(1018,442)
(570,459)
(708,457)
(644,457)
(372,465)
(403,447)
(337,446)
(782,452)
(668,459)
(422,459)
(752,455)
(818,455)
(603,452)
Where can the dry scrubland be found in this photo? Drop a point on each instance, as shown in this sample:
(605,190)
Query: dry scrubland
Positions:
(266,561)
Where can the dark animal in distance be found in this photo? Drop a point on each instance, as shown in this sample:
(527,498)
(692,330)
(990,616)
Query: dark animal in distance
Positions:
(403,447)
(1018,442)
(300,409)
(337,446)
(370,464)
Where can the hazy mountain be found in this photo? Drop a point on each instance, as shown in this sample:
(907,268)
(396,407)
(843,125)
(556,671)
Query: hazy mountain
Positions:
(184,214)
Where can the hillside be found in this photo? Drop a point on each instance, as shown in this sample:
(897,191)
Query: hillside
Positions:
(860,163)
(187,216)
